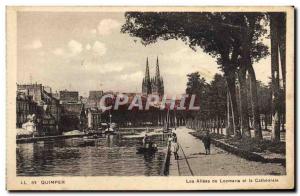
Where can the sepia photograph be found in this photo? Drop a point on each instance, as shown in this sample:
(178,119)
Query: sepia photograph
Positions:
(150,98)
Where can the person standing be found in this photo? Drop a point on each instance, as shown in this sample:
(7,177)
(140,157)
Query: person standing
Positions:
(174,149)
(206,141)
(174,136)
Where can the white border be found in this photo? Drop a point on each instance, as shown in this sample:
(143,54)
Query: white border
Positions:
(97,2)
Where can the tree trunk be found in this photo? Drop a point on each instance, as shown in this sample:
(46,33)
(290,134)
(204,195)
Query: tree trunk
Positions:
(218,125)
(230,79)
(243,103)
(229,127)
(282,45)
(283,122)
(254,104)
(275,77)
(282,51)
(266,122)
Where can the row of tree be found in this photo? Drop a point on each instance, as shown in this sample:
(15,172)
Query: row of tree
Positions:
(215,107)
(235,40)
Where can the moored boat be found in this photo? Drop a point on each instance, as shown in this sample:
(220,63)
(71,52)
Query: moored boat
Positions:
(148,148)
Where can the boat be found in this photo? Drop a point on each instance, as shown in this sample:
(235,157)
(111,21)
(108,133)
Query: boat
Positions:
(148,149)
(143,150)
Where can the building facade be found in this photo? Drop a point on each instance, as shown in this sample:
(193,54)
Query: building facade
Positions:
(25,106)
(73,117)
(38,100)
(94,118)
(154,85)
(93,101)
(68,96)
(33,90)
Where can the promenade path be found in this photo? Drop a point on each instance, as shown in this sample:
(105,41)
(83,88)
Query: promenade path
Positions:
(193,161)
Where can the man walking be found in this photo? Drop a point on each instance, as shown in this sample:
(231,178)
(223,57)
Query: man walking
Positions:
(206,141)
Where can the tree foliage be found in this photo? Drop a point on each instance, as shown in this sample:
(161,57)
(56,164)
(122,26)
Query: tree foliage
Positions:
(217,33)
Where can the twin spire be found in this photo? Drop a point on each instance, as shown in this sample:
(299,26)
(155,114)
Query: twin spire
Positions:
(157,73)
(155,84)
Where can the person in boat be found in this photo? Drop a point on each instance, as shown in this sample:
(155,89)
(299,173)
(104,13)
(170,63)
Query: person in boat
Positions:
(206,141)
(174,149)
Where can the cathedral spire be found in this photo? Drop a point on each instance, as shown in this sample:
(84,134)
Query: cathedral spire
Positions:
(157,69)
(147,74)
(146,86)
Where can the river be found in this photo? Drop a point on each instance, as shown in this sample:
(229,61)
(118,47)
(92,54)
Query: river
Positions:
(111,155)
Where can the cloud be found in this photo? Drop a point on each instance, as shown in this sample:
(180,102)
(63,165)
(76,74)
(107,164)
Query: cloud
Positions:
(99,48)
(137,76)
(191,61)
(35,44)
(106,26)
(58,51)
(111,67)
(75,47)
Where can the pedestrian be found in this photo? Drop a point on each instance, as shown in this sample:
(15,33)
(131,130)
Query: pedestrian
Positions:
(174,136)
(174,149)
(206,141)
(170,139)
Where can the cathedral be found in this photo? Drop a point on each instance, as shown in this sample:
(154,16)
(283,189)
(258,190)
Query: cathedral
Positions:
(154,85)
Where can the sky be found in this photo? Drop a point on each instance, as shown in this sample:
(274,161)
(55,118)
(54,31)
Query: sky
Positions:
(85,51)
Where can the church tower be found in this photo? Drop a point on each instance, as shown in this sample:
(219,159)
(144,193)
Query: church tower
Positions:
(146,86)
(155,84)
(158,84)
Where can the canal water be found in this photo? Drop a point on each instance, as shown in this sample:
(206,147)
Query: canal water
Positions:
(111,155)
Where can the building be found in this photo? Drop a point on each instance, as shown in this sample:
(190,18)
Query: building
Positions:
(47,123)
(68,96)
(33,90)
(94,118)
(52,105)
(45,107)
(55,94)
(25,106)
(95,94)
(154,85)
(73,117)
(94,99)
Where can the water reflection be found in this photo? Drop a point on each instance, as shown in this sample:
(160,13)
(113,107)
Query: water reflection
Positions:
(107,156)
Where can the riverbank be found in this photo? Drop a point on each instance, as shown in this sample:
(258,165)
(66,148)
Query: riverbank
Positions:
(263,151)
(45,138)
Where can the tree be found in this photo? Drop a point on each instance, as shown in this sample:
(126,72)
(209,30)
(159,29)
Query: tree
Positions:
(217,99)
(274,32)
(253,50)
(228,37)
(197,85)
(265,101)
